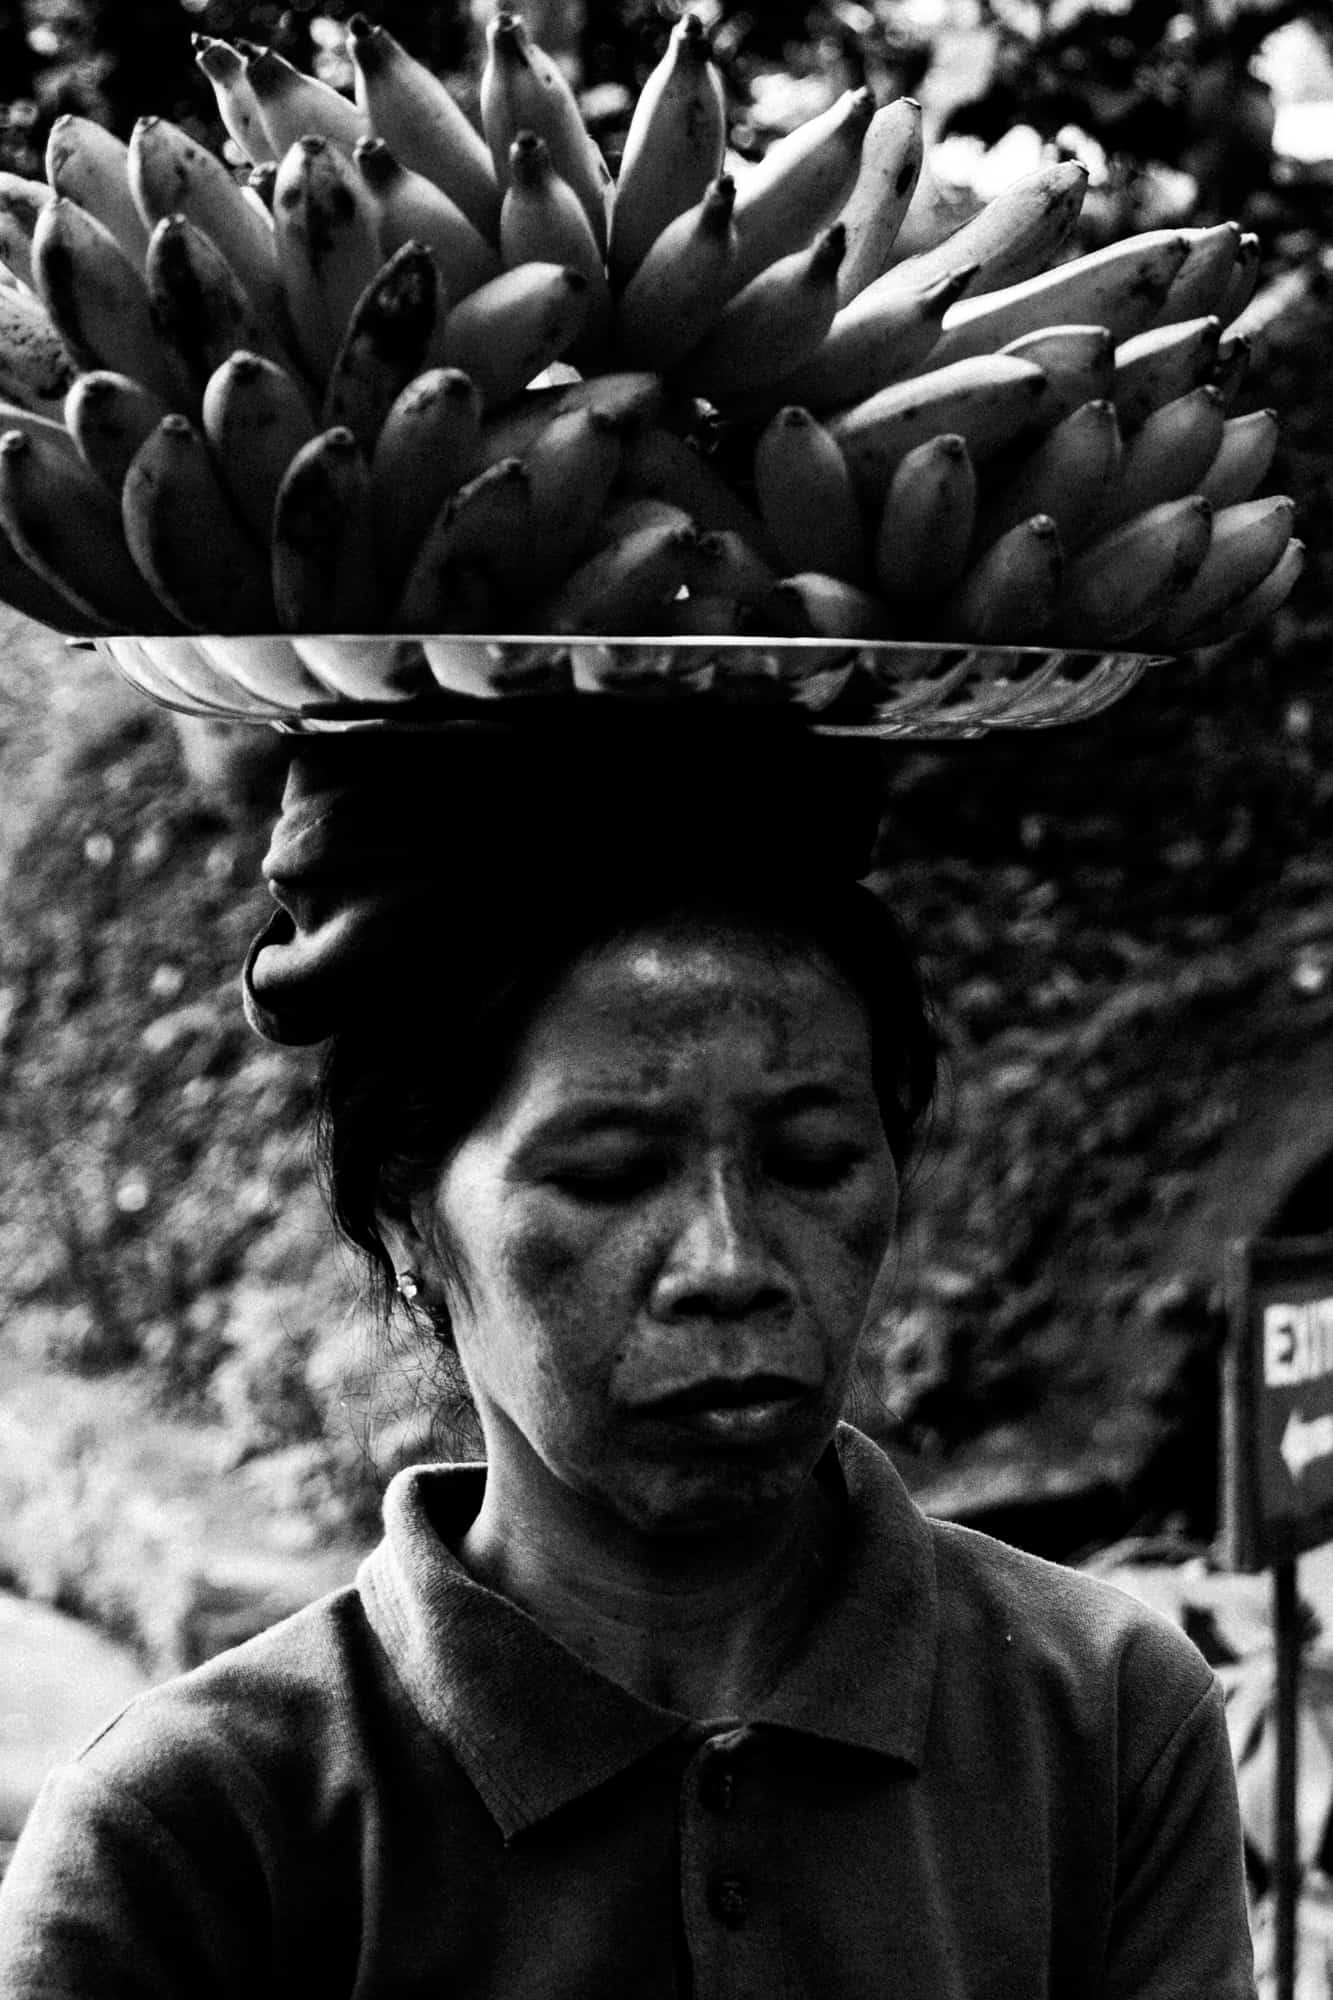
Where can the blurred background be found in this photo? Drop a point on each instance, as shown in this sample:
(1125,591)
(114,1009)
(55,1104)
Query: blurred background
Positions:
(1128,927)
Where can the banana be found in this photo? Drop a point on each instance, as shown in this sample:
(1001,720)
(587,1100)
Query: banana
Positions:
(1121,287)
(627,589)
(1018,234)
(706,618)
(364,669)
(806,498)
(108,416)
(801,185)
(21,202)
(238,107)
(1121,583)
(989,400)
(23,590)
(626,517)
(293,106)
(98,303)
(51,434)
(571,468)
(1243,280)
(415,115)
(199,308)
(681,284)
(265,669)
(1232,367)
(409,208)
(723,566)
(1067,476)
(925,531)
(674,150)
(389,340)
(1010,593)
(1247,540)
(169,174)
(428,447)
(886,181)
(328,245)
(633,398)
(1257,606)
(826,607)
(543,220)
(259,187)
(1243,458)
(887,332)
(66,527)
(524,90)
(1077,361)
(1201,284)
(324,576)
(256,418)
(187,539)
(1165,362)
(774,324)
(1169,455)
(35,364)
(468,572)
(87,164)
(507,332)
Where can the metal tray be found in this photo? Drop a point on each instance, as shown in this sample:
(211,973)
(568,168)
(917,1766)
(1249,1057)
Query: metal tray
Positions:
(887,690)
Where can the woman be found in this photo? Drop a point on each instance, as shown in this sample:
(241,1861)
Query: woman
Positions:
(679,1694)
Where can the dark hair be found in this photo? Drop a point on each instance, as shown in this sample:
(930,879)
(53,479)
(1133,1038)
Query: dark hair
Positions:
(390,1113)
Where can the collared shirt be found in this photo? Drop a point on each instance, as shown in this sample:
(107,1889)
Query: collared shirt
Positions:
(983,1777)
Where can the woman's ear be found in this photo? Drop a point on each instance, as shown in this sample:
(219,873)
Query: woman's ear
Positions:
(403,1242)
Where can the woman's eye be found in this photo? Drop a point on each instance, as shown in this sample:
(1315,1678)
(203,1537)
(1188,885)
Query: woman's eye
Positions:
(815,1168)
(605,1180)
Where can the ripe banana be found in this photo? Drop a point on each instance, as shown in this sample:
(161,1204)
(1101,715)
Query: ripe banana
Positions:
(66,527)
(571,469)
(187,539)
(543,220)
(887,331)
(108,416)
(238,107)
(1121,583)
(507,332)
(724,566)
(1200,285)
(170,174)
(1067,476)
(98,303)
(800,185)
(989,400)
(774,324)
(633,398)
(1169,455)
(1247,540)
(390,338)
(524,90)
(1011,591)
(1243,459)
(199,309)
(1019,233)
(39,599)
(925,531)
(674,149)
(1165,362)
(681,285)
(328,244)
(409,208)
(886,181)
(1121,288)
(293,106)
(807,500)
(628,588)
(1232,367)
(21,202)
(1256,607)
(428,447)
(1243,280)
(51,434)
(87,164)
(256,418)
(35,364)
(417,117)
(468,572)
(1077,361)
(828,608)
(323,572)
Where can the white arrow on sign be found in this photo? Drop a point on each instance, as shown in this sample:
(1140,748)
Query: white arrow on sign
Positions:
(1303,1442)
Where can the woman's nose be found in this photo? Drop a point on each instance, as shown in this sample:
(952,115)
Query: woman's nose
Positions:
(720,1260)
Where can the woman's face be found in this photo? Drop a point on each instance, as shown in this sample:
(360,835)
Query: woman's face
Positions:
(667,1229)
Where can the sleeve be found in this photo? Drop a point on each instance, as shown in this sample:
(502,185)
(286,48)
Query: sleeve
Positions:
(1180,1928)
(101,1898)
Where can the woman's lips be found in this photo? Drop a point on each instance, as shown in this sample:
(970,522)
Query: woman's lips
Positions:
(754,1406)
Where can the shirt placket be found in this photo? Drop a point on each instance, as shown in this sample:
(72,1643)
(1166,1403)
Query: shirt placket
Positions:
(731,1923)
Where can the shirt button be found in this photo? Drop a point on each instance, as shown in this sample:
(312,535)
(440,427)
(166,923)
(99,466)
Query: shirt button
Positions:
(729,1900)
(717,1787)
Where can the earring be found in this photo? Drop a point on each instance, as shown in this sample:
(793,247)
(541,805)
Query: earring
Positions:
(409,1286)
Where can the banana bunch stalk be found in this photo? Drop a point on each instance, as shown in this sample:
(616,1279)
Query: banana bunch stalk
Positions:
(404,374)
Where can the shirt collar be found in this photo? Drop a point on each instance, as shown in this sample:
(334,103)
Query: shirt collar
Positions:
(534,1727)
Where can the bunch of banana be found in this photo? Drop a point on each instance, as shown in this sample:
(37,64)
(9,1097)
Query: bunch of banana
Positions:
(404,375)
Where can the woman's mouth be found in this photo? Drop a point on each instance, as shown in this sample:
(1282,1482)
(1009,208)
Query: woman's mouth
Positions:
(751,1406)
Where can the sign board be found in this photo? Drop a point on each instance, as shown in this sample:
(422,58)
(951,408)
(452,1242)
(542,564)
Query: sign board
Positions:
(1277,1459)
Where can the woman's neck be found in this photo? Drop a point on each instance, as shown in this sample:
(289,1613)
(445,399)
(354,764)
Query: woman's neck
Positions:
(700,1627)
